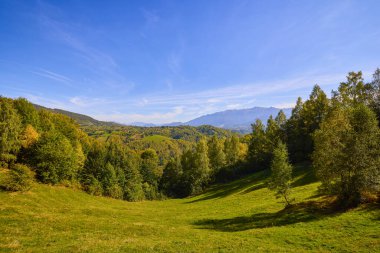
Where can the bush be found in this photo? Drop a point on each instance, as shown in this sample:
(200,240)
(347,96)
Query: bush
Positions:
(18,178)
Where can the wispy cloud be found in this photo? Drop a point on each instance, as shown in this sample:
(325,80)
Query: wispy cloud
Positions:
(75,36)
(194,104)
(53,76)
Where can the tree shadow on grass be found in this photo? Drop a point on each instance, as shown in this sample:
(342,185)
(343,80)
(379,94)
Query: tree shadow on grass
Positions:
(303,174)
(245,185)
(301,212)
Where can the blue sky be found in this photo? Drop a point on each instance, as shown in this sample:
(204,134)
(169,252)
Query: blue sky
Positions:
(165,61)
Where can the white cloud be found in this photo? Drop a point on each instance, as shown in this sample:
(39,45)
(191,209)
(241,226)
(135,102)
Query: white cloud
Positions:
(157,118)
(87,102)
(285,105)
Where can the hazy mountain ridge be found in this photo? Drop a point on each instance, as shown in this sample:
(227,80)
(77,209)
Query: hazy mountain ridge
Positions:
(238,119)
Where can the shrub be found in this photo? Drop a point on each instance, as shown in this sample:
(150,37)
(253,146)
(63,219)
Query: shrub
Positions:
(18,178)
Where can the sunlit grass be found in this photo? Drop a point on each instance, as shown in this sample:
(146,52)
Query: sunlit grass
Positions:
(242,216)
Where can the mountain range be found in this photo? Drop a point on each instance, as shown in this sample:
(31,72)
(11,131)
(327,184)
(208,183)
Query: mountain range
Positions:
(238,120)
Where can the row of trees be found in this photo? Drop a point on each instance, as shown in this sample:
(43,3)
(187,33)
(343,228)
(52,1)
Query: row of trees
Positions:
(196,168)
(340,136)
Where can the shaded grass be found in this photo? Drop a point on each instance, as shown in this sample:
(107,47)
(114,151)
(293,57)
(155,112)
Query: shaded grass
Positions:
(242,216)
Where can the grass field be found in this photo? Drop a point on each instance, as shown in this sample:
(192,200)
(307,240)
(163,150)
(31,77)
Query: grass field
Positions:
(242,216)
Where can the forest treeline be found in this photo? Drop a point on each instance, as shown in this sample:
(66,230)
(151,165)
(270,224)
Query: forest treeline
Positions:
(339,135)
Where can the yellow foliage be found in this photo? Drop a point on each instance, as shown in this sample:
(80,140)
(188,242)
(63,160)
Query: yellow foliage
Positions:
(29,136)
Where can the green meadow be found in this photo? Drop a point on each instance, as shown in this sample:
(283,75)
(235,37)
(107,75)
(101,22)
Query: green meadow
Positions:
(241,216)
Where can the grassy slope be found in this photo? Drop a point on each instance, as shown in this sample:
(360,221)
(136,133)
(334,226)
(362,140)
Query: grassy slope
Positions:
(242,216)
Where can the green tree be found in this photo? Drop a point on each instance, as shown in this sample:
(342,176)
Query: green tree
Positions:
(232,150)
(314,110)
(258,149)
(149,167)
(171,181)
(346,156)
(10,130)
(196,168)
(54,158)
(280,179)
(216,154)
(27,112)
(375,84)
(354,91)
(133,190)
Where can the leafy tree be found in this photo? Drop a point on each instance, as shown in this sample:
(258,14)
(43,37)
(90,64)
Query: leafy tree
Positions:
(233,150)
(196,167)
(314,110)
(149,167)
(258,151)
(281,123)
(272,134)
(280,180)
(375,84)
(216,154)
(171,182)
(10,130)
(295,133)
(28,137)
(347,157)
(354,91)
(28,114)
(133,190)
(54,158)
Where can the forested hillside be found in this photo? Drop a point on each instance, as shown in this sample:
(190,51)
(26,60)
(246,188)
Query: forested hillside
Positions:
(340,136)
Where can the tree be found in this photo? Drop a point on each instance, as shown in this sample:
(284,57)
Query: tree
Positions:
(171,182)
(54,158)
(354,91)
(28,137)
(258,149)
(280,179)
(281,123)
(150,172)
(10,130)
(232,150)
(347,153)
(133,190)
(314,110)
(27,112)
(216,154)
(376,93)
(149,167)
(196,168)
